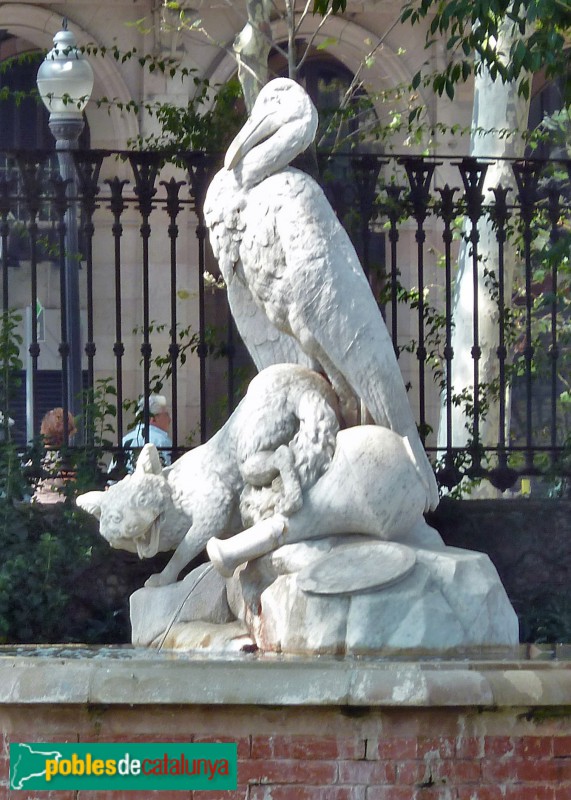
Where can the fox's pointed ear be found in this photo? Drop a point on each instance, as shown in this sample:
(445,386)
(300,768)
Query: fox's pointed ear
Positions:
(149,462)
(91,502)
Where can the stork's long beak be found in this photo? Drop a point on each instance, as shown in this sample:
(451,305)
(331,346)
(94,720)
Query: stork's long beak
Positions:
(255,130)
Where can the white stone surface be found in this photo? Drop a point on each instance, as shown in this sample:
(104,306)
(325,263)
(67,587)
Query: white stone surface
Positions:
(295,285)
(497,678)
(279,440)
(357,568)
(372,486)
(232,637)
(451,599)
(280,473)
(201,595)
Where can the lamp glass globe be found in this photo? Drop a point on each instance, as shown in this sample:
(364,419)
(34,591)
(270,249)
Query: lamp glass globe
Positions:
(65,77)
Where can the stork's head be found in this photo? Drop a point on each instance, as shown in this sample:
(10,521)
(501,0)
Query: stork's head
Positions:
(282,125)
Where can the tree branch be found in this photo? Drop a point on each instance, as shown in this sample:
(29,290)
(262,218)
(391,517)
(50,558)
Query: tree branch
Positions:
(312,38)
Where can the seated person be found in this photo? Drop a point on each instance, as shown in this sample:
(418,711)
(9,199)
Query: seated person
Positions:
(52,489)
(159,423)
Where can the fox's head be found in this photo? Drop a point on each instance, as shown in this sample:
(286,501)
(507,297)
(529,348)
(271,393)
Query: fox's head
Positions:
(129,511)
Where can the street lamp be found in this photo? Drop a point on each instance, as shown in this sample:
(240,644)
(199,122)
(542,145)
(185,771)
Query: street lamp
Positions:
(65,83)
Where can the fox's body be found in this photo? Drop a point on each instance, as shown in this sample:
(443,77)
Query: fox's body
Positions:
(285,426)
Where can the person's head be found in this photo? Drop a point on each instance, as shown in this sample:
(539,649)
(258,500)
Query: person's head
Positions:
(52,427)
(159,412)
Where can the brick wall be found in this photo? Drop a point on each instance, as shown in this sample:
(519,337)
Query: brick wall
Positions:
(329,754)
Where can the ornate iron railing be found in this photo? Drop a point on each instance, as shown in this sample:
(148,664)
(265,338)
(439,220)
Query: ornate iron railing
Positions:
(411,219)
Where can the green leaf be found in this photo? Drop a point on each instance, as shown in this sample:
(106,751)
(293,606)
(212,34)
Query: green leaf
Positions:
(330,41)
(322,6)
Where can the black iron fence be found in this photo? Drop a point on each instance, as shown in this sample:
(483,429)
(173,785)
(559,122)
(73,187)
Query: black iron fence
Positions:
(142,243)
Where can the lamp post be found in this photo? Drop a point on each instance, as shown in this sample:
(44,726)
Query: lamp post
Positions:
(65,83)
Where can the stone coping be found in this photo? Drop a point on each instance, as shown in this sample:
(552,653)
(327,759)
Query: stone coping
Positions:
(129,676)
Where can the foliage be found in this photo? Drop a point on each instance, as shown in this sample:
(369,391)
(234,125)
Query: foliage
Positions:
(59,582)
(17,96)
(12,482)
(99,409)
(43,552)
(322,6)
(543,327)
(540,328)
(471,32)
(475,28)
(44,549)
(10,343)
(207,122)
(187,342)
(545,619)
(168,65)
(152,63)
(198,125)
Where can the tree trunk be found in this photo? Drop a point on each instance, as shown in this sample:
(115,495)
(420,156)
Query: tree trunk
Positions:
(497,106)
(252,47)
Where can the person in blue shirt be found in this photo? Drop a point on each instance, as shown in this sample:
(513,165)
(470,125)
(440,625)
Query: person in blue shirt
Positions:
(159,424)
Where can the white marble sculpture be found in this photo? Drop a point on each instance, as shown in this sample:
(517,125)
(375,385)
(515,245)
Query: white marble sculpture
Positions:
(286,425)
(295,285)
(316,534)
(337,558)
(280,466)
(373,486)
(298,599)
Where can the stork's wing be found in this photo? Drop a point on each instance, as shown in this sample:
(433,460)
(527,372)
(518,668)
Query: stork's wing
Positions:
(331,304)
(266,344)
(337,314)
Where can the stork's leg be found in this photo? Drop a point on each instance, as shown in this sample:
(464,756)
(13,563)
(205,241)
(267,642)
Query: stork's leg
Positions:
(349,404)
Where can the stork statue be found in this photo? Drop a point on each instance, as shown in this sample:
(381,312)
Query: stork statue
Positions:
(297,291)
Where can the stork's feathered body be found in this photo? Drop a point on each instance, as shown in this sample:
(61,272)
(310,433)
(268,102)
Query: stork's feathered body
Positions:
(295,285)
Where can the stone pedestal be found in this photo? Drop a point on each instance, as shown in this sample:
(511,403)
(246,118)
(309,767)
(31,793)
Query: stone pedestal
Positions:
(157,613)
(313,728)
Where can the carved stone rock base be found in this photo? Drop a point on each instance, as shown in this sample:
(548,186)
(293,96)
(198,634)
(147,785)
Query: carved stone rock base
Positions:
(155,611)
(452,598)
(446,598)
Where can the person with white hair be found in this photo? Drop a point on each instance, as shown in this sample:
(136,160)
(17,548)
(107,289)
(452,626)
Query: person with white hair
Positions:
(159,424)
(3,427)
